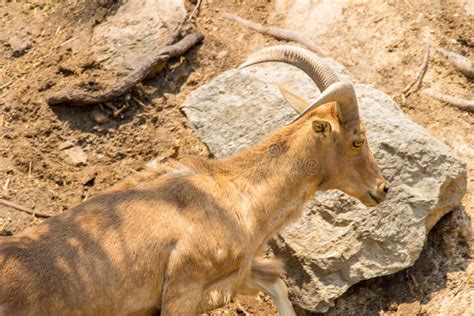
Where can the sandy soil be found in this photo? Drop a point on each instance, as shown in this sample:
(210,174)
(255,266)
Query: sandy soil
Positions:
(380,42)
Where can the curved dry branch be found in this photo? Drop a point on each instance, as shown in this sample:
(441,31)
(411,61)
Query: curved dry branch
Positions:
(457,102)
(79,97)
(421,73)
(276,32)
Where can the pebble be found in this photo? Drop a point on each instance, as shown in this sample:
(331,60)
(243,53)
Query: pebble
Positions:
(19,46)
(65,145)
(76,156)
(99,116)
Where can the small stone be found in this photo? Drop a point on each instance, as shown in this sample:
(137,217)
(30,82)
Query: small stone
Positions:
(154,163)
(46,86)
(19,46)
(99,116)
(222,54)
(76,156)
(6,164)
(89,179)
(65,145)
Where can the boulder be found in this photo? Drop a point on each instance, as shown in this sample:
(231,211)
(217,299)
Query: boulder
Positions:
(107,55)
(339,241)
(136,32)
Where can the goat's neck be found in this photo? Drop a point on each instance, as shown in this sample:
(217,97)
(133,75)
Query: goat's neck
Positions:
(275,178)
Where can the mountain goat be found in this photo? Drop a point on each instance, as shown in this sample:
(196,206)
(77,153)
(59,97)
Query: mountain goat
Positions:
(185,237)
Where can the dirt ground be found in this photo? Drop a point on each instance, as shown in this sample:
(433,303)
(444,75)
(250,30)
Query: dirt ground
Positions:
(380,42)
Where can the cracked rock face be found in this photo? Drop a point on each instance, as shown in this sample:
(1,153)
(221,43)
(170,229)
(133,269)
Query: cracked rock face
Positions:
(339,241)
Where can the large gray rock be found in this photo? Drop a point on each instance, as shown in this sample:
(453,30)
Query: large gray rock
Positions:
(339,242)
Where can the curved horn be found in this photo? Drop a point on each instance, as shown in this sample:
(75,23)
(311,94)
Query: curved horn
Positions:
(341,92)
(326,80)
(299,57)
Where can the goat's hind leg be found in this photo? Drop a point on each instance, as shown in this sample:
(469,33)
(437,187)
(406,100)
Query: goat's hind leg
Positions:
(180,298)
(279,294)
(265,277)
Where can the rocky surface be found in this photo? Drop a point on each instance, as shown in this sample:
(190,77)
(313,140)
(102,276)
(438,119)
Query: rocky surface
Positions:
(136,31)
(127,39)
(339,242)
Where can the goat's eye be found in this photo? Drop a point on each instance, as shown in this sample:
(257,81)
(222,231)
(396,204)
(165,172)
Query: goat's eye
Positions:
(358,143)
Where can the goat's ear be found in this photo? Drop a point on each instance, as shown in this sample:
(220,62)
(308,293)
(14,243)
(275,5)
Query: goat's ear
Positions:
(296,101)
(322,127)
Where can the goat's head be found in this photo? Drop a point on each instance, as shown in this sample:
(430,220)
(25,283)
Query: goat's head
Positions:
(344,156)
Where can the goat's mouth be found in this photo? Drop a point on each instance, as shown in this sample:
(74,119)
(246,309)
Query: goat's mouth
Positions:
(375,198)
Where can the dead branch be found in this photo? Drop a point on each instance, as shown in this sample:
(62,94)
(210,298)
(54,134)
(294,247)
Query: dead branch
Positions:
(421,73)
(457,102)
(276,32)
(462,64)
(23,209)
(79,97)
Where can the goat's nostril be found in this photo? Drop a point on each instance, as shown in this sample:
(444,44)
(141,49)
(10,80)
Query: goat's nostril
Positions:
(385,189)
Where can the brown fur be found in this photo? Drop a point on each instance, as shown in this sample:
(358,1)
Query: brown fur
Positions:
(183,238)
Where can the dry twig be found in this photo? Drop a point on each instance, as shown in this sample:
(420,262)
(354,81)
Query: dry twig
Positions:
(457,102)
(110,106)
(138,101)
(119,112)
(242,309)
(67,42)
(80,97)
(421,73)
(462,64)
(460,288)
(6,85)
(23,209)
(276,32)
(195,11)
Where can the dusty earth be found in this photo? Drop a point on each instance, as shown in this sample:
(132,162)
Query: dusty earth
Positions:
(380,42)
